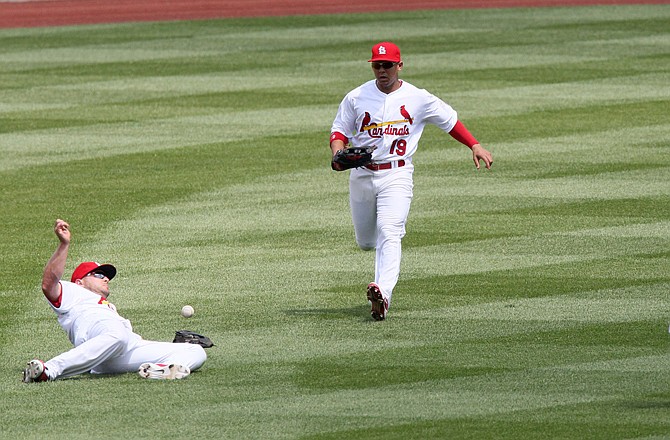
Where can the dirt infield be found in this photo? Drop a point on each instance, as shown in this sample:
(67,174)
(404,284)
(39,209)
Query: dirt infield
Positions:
(29,13)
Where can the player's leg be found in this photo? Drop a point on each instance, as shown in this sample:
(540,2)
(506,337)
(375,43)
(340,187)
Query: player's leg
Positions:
(191,356)
(393,204)
(363,204)
(105,340)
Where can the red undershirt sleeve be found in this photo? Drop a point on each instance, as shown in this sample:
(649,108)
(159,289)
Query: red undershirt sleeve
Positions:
(58,302)
(336,135)
(462,135)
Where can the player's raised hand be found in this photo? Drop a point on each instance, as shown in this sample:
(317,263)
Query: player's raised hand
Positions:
(480,153)
(62,230)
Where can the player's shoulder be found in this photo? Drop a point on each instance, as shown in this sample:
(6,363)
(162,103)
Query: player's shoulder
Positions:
(418,94)
(365,93)
(410,88)
(73,288)
(67,284)
(366,88)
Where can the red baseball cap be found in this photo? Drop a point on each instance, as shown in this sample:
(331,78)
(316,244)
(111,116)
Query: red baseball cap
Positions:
(91,266)
(385,52)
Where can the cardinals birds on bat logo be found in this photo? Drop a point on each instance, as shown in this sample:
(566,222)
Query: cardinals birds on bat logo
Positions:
(374,128)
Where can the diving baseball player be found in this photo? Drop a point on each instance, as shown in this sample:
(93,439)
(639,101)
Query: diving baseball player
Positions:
(104,342)
(389,114)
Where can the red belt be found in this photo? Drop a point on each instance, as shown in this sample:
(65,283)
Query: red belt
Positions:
(385,166)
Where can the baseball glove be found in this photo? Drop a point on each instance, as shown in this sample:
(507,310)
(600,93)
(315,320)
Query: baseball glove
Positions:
(352,157)
(192,338)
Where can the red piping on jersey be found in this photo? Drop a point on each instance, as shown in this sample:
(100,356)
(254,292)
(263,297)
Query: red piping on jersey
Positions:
(337,136)
(462,135)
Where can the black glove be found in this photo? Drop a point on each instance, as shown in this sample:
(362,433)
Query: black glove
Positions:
(192,338)
(352,157)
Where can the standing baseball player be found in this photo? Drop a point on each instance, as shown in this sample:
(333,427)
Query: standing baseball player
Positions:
(389,114)
(104,342)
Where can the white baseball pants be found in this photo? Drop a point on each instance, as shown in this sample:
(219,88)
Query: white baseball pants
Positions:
(380,202)
(109,347)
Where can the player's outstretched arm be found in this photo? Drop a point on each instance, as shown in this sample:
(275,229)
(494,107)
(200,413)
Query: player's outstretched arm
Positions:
(480,153)
(55,267)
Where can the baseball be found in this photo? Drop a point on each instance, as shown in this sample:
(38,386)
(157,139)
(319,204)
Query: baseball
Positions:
(187,311)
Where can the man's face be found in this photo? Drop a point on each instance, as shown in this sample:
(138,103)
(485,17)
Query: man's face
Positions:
(386,73)
(96,282)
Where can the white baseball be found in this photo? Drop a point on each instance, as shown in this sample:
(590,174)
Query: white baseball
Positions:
(187,311)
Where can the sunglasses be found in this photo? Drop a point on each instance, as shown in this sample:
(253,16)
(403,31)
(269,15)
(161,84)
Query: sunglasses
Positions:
(386,65)
(98,275)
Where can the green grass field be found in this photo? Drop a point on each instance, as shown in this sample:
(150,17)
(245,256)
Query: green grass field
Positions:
(534,299)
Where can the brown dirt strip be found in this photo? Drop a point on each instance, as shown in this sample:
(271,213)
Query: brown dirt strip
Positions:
(15,14)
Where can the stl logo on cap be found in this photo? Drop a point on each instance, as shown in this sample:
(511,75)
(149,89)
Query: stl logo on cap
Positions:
(385,51)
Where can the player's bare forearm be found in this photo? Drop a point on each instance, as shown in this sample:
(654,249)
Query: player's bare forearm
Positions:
(480,153)
(53,271)
(336,146)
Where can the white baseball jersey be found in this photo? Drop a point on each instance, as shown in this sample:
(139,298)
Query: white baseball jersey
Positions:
(392,122)
(80,308)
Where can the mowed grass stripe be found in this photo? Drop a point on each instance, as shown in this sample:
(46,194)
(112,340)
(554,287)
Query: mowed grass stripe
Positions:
(66,65)
(217,89)
(130,135)
(638,302)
